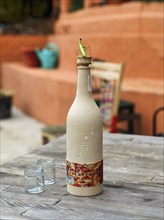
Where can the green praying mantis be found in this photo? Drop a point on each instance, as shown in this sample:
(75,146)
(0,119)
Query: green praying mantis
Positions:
(82,48)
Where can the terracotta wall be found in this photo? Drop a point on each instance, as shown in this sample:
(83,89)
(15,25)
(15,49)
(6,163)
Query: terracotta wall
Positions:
(141,58)
(50,93)
(44,94)
(131,33)
(11,44)
(146,104)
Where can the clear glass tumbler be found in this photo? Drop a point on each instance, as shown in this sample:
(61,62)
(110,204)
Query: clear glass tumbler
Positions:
(34,179)
(48,166)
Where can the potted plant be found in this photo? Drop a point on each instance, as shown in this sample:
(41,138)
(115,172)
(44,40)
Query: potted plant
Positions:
(29,57)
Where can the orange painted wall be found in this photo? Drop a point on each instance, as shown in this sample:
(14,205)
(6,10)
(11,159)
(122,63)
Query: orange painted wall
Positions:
(48,94)
(44,94)
(131,33)
(141,59)
(11,44)
(146,104)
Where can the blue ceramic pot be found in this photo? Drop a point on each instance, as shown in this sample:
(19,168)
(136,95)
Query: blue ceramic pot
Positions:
(48,56)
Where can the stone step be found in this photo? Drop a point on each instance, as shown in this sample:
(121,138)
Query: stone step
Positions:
(134,17)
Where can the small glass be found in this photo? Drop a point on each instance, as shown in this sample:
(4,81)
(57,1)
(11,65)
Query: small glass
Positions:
(48,166)
(34,179)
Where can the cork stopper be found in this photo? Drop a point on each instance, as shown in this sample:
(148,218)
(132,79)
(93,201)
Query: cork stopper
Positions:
(84,61)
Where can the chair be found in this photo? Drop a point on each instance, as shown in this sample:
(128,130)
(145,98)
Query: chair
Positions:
(106,85)
(127,114)
(107,78)
(155,115)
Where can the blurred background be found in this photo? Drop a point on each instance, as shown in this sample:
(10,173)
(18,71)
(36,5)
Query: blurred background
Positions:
(117,31)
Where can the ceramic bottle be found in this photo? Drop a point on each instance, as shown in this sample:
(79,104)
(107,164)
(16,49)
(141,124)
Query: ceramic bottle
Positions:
(84,159)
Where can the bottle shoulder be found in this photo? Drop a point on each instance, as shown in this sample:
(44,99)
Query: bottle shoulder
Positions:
(85,112)
(84,105)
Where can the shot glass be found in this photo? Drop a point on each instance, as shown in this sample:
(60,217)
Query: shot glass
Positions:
(48,166)
(34,179)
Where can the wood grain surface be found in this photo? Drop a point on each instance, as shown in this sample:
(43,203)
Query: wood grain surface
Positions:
(133,183)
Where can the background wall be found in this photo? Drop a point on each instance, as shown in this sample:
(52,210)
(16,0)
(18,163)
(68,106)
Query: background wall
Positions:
(131,33)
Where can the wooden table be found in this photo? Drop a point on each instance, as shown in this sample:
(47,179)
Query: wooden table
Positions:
(133,183)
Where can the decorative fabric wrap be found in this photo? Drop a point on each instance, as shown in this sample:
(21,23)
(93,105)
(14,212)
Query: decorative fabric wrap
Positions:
(84,175)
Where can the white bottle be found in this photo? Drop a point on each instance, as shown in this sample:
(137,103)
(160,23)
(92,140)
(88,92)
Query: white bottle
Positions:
(84,138)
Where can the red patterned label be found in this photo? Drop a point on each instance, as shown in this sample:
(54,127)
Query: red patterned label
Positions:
(84,175)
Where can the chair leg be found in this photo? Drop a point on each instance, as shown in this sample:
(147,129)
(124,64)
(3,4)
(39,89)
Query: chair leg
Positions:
(113,124)
(131,126)
(131,121)
(137,120)
(139,123)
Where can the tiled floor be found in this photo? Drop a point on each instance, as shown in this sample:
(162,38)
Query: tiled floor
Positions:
(20,134)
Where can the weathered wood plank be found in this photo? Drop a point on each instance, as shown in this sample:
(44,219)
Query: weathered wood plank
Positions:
(115,196)
(9,215)
(133,183)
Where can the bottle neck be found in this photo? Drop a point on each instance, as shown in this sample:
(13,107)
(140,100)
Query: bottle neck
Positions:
(83,81)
